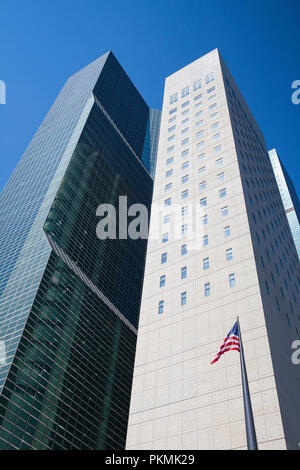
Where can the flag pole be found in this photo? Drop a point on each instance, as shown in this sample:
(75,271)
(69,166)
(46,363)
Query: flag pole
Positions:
(249,421)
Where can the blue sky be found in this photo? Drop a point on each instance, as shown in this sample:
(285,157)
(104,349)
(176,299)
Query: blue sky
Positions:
(43,42)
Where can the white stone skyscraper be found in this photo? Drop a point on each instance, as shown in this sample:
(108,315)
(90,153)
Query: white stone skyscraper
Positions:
(212,155)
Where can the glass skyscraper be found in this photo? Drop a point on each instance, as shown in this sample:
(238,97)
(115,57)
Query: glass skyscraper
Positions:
(69,302)
(288,195)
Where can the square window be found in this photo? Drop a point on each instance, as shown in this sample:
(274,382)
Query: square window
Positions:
(167,202)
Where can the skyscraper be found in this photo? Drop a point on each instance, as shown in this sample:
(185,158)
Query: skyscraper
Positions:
(212,161)
(69,301)
(288,195)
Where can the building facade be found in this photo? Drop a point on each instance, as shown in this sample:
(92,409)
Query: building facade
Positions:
(212,161)
(69,301)
(288,195)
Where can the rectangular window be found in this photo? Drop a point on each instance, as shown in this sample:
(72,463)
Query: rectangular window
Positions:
(164,258)
(185,194)
(204,220)
(184,272)
(169,173)
(172,137)
(207,289)
(216,137)
(201,157)
(172,119)
(200,145)
(197,84)
(215,125)
(162,281)
(199,123)
(199,113)
(209,78)
(185,120)
(184,179)
(169,160)
(222,193)
(184,113)
(214,115)
(210,90)
(224,211)
(185,165)
(184,249)
(172,111)
(173,98)
(197,97)
(229,255)
(201,170)
(168,187)
(172,128)
(213,106)
(205,240)
(203,202)
(184,229)
(166,219)
(185,153)
(219,162)
(206,263)
(161,307)
(221,176)
(170,149)
(227,231)
(185,91)
(167,202)
(199,134)
(185,131)
(202,185)
(183,298)
(184,210)
(211,97)
(232,280)
(185,104)
(165,237)
(218,149)
(185,141)
(197,105)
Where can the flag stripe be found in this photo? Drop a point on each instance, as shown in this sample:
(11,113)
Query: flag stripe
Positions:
(230,343)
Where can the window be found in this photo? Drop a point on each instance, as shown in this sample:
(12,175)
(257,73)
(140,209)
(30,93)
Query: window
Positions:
(215,125)
(201,157)
(183,272)
(224,211)
(206,263)
(172,111)
(173,98)
(167,202)
(199,123)
(165,237)
(201,170)
(214,115)
(184,210)
(162,281)
(169,160)
(209,78)
(169,173)
(184,179)
(183,298)
(172,128)
(222,193)
(185,104)
(184,249)
(202,185)
(199,113)
(205,240)
(185,153)
(211,97)
(166,219)
(172,119)
(229,255)
(185,165)
(216,137)
(200,144)
(227,231)
(207,289)
(185,120)
(161,306)
(185,141)
(185,112)
(184,229)
(204,220)
(203,202)
(212,106)
(185,91)
(197,97)
(197,85)
(197,105)
(168,187)
(221,176)
(184,131)
(199,134)
(232,280)
(218,149)
(210,90)
(219,162)
(185,194)
(164,258)
(170,149)
(172,137)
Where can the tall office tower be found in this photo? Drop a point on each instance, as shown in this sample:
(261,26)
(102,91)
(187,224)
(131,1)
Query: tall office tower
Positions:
(69,301)
(288,195)
(212,155)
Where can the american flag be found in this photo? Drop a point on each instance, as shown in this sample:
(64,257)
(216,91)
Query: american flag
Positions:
(231,342)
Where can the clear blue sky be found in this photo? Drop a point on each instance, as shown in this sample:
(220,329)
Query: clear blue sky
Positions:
(42,42)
